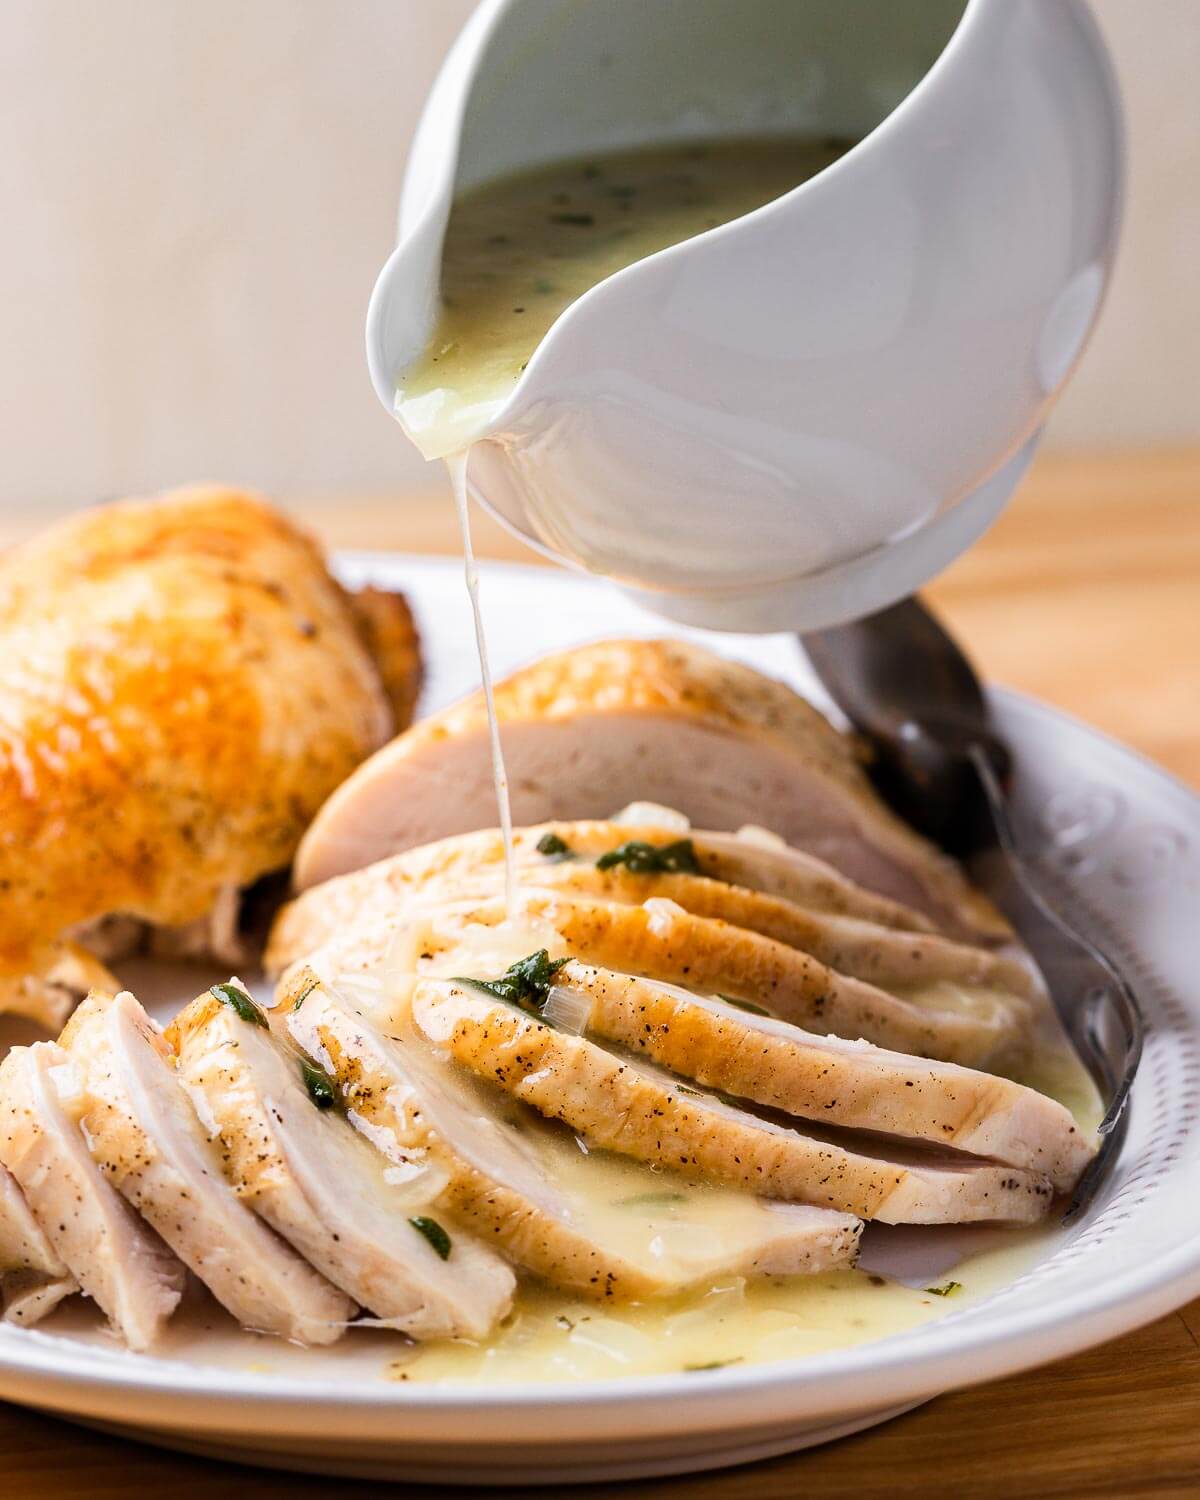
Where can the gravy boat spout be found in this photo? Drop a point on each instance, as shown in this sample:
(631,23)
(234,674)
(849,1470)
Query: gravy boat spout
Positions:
(800,416)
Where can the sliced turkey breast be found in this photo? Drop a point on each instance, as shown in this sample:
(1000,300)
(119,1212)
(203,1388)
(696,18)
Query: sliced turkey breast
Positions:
(622,1105)
(145,1136)
(977,1027)
(33,1279)
(28,1296)
(116,1259)
(882,956)
(752,858)
(600,1226)
(847,1083)
(760,860)
(300,1165)
(617,868)
(23,1246)
(600,726)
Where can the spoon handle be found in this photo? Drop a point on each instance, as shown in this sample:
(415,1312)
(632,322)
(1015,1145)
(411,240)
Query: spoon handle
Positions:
(905,685)
(1095,1002)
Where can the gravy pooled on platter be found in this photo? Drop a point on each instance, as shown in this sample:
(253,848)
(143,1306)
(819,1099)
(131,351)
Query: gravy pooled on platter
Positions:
(520,249)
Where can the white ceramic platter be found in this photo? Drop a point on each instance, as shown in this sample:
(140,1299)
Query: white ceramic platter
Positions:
(1122,842)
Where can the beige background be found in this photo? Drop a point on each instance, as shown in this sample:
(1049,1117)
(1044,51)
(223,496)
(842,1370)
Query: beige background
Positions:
(196,198)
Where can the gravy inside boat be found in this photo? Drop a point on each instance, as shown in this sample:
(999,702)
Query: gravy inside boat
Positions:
(520,249)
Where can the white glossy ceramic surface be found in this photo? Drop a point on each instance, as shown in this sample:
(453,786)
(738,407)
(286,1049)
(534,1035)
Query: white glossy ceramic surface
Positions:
(1120,840)
(800,416)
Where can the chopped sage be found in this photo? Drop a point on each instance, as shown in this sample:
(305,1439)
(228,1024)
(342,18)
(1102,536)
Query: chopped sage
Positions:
(947,1290)
(305,993)
(525,984)
(712,1364)
(755,1010)
(640,858)
(434,1233)
(554,848)
(321,1088)
(239,1002)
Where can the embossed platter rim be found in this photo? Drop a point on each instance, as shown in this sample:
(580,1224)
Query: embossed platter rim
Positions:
(1121,839)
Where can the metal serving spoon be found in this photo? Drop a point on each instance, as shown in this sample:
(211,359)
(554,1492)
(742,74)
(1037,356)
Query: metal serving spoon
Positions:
(908,689)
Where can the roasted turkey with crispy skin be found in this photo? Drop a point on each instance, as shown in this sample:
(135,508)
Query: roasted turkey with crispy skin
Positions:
(182,684)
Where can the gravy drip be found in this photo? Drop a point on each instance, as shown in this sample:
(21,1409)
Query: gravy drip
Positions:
(456,464)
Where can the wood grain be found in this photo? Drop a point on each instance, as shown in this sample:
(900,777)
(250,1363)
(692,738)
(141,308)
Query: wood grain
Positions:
(1087,593)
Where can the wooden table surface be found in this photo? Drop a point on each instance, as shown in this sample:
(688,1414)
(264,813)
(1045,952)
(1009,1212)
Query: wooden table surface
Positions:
(1086,593)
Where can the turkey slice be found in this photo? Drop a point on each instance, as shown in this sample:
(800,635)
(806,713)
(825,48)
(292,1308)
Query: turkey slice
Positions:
(601,1226)
(33,1279)
(623,1105)
(847,1083)
(752,858)
(564,856)
(146,1137)
(603,725)
(299,1164)
(978,1027)
(116,1259)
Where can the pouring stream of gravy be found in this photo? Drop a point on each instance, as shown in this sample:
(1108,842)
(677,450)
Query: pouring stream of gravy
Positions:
(456,465)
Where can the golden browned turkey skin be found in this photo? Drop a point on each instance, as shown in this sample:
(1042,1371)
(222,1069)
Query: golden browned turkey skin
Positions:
(182,684)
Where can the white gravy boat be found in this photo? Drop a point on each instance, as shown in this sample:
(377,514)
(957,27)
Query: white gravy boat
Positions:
(801,416)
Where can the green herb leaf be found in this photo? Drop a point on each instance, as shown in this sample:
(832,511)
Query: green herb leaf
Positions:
(321,1088)
(434,1233)
(640,858)
(525,984)
(305,993)
(713,1364)
(554,848)
(239,1002)
(947,1290)
(748,1005)
(584,220)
